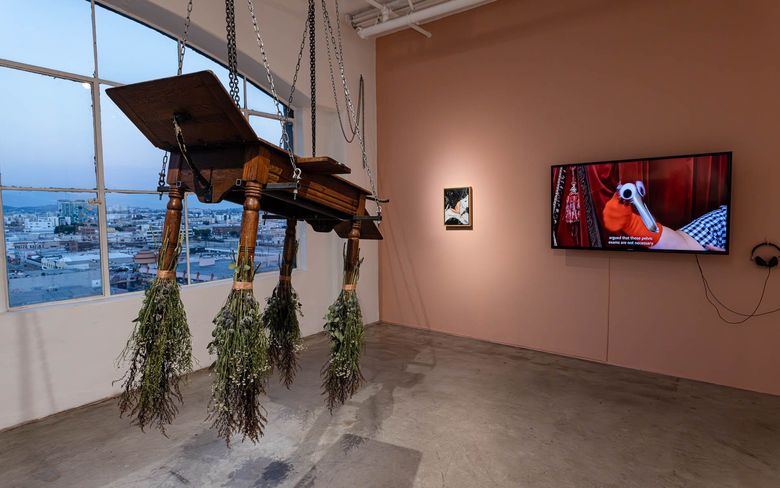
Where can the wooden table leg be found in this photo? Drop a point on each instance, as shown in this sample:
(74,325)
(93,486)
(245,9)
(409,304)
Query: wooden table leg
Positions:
(245,260)
(169,252)
(352,259)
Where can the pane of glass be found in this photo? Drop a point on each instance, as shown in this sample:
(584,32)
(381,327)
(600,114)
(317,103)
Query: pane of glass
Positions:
(195,61)
(135,225)
(214,232)
(129,159)
(46,131)
(215,229)
(51,33)
(52,246)
(261,101)
(268,129)
(129,51)
(270,242)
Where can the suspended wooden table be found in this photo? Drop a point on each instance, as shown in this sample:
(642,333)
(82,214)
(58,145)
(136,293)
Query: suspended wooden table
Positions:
(216,155)
(227,158)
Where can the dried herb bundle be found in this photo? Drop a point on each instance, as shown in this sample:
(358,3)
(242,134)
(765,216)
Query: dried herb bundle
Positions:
(284,342)
(159,352)
(242,366)
(344,325)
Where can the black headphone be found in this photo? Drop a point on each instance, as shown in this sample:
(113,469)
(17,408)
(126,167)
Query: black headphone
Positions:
(772,262)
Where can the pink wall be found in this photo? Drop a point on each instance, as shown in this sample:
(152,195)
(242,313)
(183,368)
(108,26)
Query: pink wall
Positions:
(502,92)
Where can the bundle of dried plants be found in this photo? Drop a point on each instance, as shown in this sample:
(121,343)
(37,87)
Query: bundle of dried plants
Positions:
(159,352)
(241,371)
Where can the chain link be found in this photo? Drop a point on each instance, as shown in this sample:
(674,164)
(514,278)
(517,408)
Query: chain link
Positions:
(353,118)
(361,108)
(339,54)
(161,179)
(283,120)
(186,157)
(230,27)
(339,51)
(183,39)
(298,63)
(313,76)
(182,48)
(361,90)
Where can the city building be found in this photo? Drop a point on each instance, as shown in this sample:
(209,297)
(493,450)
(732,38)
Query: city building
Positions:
(73,212)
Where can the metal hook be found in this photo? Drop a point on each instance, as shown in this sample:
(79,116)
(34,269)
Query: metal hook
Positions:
(297,178)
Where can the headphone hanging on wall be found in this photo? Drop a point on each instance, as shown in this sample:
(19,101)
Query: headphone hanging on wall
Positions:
(765,262)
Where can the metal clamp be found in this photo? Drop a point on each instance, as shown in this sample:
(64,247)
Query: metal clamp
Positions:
(282,186)
(375,218)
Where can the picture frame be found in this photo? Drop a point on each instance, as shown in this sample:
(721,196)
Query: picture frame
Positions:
(458,208)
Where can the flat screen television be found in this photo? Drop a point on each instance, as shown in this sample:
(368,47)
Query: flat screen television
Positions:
(663,204)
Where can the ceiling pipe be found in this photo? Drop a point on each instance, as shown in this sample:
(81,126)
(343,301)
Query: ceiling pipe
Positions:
(386,12)
(419,16)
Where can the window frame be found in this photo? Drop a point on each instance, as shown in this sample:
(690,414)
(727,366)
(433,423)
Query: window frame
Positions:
(100,190)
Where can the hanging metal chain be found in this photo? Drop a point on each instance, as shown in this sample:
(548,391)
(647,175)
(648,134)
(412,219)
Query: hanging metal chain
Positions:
(282,115)
(161,179)
(339,53)
(313,76)
(185,155)
(181,49)
(230,27)
(298,63)
(183,39)
(361,107)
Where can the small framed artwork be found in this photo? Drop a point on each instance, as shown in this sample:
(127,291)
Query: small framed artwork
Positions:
(458,210)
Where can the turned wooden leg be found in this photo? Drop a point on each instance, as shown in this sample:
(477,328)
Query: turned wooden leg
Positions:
(352,260)
(169,253)
(245,261)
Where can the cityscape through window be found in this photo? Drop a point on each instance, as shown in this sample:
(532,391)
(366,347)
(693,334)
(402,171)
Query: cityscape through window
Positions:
(94,228)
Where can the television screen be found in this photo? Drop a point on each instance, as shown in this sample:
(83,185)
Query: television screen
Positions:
(671,204)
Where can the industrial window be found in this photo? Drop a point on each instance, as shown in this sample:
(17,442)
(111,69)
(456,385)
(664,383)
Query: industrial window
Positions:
(80,212)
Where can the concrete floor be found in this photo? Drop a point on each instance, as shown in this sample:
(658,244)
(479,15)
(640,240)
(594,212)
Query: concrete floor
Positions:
(437,411)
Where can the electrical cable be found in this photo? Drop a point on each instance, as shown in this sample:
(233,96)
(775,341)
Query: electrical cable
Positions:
(713,300)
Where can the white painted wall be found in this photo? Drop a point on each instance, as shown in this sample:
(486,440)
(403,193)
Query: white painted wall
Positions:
(57,357)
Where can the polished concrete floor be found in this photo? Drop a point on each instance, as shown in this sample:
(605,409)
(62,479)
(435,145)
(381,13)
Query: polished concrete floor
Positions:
(437,411)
